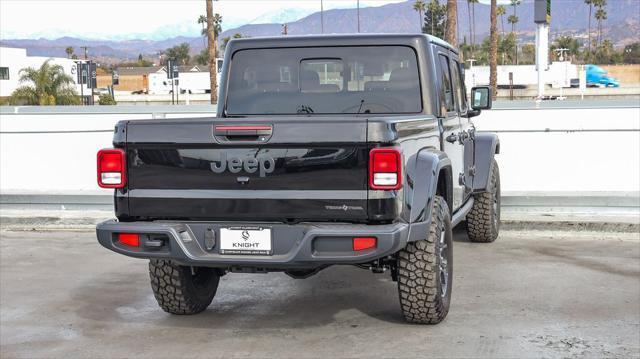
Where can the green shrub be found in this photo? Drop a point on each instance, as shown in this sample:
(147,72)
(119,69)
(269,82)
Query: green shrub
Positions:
(106,99)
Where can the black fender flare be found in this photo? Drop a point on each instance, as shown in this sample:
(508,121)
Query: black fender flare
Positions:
(423,173)
(487,145)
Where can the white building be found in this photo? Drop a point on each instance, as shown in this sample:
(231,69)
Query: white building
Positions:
(191,79)
(12,60)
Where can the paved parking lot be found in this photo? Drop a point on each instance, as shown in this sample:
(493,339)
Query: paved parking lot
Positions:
(530,294)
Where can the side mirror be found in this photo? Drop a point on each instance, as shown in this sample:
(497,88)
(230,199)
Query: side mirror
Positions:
(481,98)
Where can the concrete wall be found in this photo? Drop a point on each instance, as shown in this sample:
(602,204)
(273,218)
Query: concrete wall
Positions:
(554,148)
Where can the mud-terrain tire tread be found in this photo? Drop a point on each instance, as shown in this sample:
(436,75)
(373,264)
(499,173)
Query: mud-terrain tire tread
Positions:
(481,226)
(418,282)
(174,290)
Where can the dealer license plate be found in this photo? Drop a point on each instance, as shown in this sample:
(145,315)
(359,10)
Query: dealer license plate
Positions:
(245,240)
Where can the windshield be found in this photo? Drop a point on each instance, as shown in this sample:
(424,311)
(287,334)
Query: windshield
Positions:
(324,80)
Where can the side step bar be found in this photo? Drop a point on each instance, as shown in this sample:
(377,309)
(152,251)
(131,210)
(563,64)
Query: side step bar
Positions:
(461,213)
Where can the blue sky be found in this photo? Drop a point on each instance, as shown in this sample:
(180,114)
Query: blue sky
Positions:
(145,19)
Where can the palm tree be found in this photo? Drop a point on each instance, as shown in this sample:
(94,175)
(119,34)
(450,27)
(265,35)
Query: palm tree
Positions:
(469,17)
(419,6)
(211,46)
(607,47)
(217,24)
(567,42)
(48,85)
(451,34)
(590,3)
(202,20)
(501,11)
(514,4)
(69,51)
(493,53)
(513,20)
(601,15)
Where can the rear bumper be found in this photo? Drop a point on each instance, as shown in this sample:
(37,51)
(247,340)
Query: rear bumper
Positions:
(304,245)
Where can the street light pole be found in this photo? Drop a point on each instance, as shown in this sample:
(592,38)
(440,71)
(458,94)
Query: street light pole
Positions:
(542,54)
(321,17)
(542,18)
(358,16)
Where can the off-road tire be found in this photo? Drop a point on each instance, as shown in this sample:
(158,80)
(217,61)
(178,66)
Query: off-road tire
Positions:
(483,221)
(182,290)
(424,294)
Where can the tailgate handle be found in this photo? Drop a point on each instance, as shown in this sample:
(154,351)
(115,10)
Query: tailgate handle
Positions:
(245,133)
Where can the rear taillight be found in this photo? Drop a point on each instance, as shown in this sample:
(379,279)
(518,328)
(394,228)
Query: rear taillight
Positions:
(129,239)
(111,168)
(363,243)
(385,169)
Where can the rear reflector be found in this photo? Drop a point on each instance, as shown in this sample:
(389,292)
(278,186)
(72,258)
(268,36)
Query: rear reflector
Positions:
(111,168)
(362,243)
(385,169)
(129,239)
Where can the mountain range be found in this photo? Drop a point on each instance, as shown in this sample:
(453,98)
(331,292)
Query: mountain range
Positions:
(568,17)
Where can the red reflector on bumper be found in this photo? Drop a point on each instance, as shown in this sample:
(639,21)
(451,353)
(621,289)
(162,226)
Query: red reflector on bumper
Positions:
(362,243)
(129,239)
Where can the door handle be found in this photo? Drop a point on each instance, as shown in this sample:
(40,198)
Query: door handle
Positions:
(452,138)
(242,133)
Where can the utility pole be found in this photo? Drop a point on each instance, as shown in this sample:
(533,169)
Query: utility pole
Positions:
(358,16)
(321,17)
(80,71)
(542,17)
(86,52)
(285,30)
(84,69)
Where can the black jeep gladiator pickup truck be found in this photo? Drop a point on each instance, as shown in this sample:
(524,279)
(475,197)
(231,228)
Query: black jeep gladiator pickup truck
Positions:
(350,149)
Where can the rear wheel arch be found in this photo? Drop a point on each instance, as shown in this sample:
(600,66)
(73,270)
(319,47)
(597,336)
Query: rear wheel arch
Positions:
(429,176)
(487,145)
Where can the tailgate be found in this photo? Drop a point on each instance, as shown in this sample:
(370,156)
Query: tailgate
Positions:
(276,169)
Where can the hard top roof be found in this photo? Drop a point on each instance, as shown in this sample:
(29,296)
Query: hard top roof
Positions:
(337,40)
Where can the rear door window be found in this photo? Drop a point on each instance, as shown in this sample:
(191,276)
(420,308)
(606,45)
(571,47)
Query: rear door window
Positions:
(446,91)
(458,86)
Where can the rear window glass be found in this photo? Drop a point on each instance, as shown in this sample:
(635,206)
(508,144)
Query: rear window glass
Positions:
(327,80)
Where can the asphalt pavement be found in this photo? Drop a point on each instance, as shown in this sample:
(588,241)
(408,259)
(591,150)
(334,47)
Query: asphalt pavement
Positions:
(530,294)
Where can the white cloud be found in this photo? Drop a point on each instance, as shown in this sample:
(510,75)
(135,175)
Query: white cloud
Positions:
(145,19)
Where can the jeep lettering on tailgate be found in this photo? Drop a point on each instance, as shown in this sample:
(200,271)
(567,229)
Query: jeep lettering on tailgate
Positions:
(250,165)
